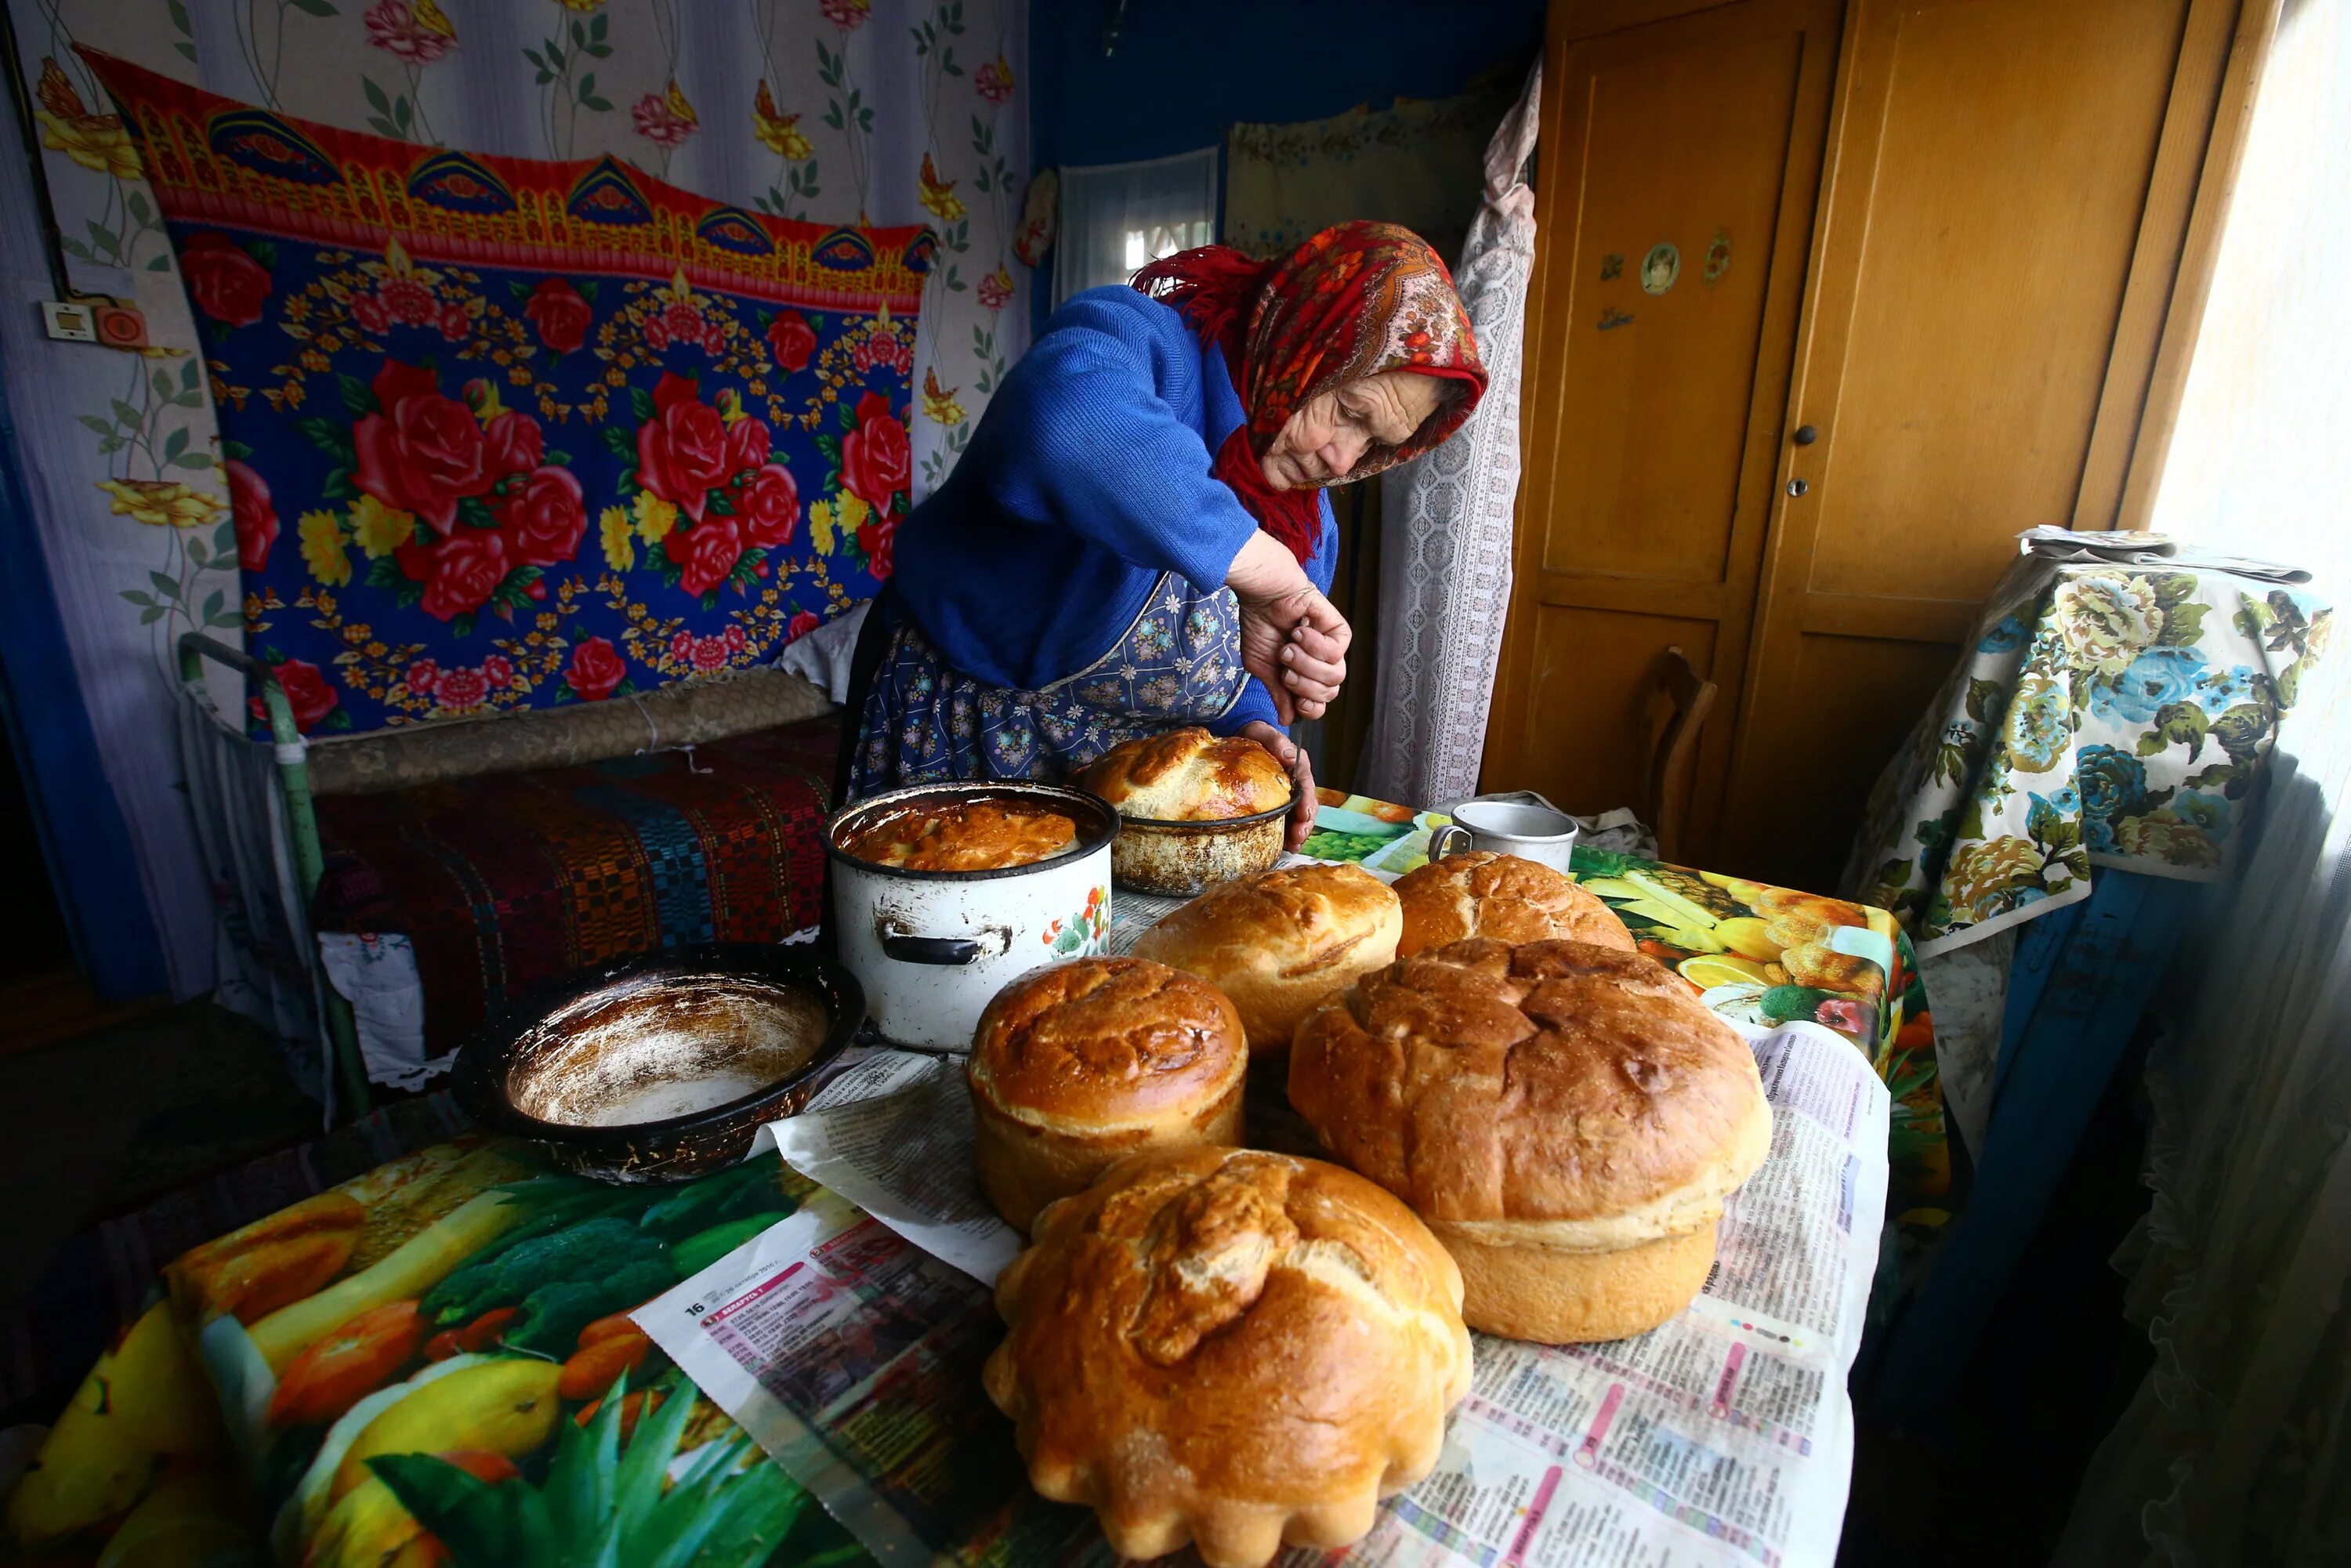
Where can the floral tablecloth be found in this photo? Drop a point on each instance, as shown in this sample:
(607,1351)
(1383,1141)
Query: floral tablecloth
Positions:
(2113,713)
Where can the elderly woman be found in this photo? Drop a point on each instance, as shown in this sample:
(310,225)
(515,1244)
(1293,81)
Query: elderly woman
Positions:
(1137,536)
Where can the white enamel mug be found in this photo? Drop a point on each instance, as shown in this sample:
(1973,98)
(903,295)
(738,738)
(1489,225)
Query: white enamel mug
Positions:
(1521,823)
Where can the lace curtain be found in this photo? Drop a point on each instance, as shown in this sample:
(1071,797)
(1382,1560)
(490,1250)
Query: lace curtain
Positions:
(2237,1449)
(1446,519)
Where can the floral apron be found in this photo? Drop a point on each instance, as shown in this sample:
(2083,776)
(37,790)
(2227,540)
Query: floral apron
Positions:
(924,721)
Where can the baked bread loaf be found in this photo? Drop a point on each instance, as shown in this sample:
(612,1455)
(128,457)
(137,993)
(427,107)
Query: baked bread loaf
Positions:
(1505,897)
(1188,776)
(1566,1117)
(1235,1349)
(1076,1066)
(966,835)
(1278,942)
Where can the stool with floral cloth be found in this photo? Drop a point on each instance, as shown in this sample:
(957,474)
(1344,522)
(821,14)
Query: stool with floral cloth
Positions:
(2116,712)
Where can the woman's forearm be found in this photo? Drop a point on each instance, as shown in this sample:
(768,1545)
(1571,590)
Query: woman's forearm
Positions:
(1266,569)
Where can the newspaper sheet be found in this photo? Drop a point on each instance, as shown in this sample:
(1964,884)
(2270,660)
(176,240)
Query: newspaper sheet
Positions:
(893,1134)
(853,1355)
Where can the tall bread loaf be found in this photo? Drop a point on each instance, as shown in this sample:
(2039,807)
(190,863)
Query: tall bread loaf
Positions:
(1077,1066)
(1279,942)
(1188,776)
(1505,897)
(1567,1118)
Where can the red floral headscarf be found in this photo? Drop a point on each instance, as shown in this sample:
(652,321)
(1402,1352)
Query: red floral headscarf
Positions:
(1354,302)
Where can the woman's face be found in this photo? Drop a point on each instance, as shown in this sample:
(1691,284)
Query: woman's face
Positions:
(1331,431)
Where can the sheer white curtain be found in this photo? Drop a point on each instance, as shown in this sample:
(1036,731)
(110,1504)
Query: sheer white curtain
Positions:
(1446,518)
(1117,216)
(2237,1449)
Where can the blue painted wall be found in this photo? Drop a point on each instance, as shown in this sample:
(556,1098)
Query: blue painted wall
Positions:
(1184,70)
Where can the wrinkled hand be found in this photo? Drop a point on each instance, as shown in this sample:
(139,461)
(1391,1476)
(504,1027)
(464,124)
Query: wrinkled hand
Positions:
(1293,638)
(1292,758)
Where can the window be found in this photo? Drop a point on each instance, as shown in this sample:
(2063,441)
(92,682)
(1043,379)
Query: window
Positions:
(1115,218)
(1145,246)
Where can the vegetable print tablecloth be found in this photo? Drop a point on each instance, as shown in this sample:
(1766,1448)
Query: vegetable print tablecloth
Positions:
(433,1363)
(2113,712)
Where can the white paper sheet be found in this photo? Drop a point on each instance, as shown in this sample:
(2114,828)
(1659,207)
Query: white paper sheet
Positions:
(893,1134)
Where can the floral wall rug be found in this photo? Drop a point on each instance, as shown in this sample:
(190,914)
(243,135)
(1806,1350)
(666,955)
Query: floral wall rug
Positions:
(502,433)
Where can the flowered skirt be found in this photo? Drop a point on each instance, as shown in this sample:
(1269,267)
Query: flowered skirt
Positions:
(924,721)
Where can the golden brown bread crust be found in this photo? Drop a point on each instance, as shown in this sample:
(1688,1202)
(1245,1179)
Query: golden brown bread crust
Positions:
(970,835)
(1576,1298)
(1023,1167)
(1188,776)
(1230,1348)
(1505,897)
(1279,942)
(1074,1067)
(1097,1044)
(1550,1081)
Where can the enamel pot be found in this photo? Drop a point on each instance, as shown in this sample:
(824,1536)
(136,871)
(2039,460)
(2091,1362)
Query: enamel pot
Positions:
(931,947)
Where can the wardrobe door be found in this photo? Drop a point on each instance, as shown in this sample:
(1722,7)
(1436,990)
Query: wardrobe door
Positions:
(1680,156)
(2002,213)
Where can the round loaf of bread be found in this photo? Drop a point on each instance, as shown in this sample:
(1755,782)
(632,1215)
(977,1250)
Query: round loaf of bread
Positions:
(1188,776)
(1279,942)
(1077,1066)
(1566,1117)
(1502,896)
(1230,1348)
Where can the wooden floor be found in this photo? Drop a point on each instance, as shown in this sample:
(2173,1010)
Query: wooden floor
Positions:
(42,1009)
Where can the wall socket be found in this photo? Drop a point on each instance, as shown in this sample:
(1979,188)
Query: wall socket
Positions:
(115,326)
(69,322)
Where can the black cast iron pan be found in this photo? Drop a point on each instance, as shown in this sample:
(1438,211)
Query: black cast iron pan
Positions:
(662,1067)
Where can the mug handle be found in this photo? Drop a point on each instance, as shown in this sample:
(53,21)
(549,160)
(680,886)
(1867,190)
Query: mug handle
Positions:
(1451,839)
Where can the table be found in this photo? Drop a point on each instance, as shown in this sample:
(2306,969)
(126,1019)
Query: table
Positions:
(432,1264)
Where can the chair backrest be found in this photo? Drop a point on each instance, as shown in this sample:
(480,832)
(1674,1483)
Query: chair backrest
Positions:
(1673,708)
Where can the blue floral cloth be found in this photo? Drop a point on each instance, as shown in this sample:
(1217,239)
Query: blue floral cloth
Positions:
(2112,713)
(924,721)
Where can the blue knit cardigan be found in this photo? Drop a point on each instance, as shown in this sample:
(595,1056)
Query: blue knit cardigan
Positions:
(1087,476)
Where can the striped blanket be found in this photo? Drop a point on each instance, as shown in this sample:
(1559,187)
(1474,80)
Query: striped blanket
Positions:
(508,880)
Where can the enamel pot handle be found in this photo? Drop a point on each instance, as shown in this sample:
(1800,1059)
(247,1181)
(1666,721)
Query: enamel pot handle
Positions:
(945,951)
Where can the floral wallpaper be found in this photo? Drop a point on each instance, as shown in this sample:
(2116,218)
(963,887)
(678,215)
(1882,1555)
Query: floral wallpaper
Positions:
(838,111)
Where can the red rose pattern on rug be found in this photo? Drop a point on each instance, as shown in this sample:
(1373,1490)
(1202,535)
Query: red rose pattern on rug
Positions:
(504,434)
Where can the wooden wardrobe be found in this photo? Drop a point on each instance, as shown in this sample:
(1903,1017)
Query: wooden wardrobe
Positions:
(1832,298)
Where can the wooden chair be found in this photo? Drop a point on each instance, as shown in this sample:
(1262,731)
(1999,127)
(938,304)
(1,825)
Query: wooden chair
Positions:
(1674,706)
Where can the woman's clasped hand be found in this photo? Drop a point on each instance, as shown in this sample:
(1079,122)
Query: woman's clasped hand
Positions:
(1293,638)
